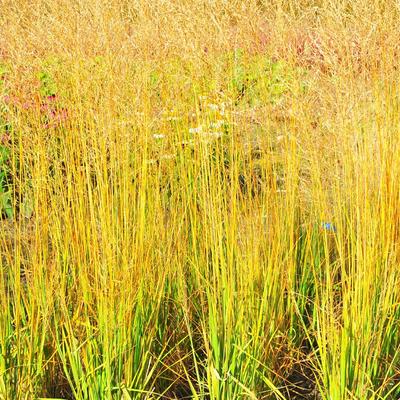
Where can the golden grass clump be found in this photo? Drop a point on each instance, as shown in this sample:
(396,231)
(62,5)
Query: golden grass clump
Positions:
(199,199)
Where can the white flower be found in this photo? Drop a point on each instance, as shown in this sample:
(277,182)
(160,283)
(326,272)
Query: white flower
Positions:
(217,124)
(167,157)
(209,136)
(213,134)
(196,130)
(158,136)
(213,107)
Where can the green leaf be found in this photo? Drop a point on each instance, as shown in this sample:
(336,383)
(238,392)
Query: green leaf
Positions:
(48,86)
(6,203)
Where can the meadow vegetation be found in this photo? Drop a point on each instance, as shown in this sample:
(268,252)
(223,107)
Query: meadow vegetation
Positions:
(199,199)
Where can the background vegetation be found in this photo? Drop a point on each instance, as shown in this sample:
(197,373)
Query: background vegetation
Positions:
(199,199)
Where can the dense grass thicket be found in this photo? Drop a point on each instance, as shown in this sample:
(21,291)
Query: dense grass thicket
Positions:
(199,199)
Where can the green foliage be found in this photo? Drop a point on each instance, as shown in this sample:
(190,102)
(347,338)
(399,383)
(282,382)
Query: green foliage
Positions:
(47,85)
(258,80)
(6,206)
